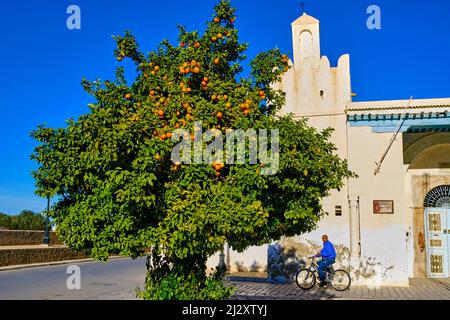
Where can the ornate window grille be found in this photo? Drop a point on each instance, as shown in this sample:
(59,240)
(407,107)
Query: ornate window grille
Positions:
(438,197)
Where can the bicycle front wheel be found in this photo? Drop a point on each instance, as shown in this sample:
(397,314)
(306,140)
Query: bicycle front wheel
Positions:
(341,280)
(305,279)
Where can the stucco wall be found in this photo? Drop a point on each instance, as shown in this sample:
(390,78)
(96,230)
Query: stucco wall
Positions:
(254,259)
(19,256)
(25,237)
(384,237)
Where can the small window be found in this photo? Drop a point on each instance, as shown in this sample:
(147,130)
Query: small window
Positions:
(338,211)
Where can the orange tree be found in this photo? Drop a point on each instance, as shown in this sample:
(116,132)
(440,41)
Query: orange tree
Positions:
(118,192)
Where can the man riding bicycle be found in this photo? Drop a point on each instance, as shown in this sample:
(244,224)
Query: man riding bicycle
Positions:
(328,254)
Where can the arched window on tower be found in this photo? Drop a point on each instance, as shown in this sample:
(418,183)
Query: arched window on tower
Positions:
(306,46)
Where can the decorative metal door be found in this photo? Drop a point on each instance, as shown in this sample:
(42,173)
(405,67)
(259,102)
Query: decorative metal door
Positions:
(437,234)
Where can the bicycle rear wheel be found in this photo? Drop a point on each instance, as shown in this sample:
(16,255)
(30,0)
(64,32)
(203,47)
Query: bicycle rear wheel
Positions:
(305,279)
(341,280)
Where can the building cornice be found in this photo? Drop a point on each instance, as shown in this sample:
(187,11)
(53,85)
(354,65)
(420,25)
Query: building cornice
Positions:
(393,105)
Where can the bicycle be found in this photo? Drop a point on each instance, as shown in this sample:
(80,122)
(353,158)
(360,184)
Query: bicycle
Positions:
(338,279)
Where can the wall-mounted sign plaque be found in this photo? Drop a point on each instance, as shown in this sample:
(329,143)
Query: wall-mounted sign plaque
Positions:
(383,206)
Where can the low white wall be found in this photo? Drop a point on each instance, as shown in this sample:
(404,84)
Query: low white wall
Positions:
(252,259)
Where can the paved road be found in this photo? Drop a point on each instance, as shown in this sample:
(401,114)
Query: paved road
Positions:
(116,279)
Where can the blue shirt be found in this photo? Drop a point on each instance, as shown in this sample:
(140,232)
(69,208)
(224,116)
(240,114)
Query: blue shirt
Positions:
(328,251)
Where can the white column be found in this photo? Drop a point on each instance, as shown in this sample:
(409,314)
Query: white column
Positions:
(355,247)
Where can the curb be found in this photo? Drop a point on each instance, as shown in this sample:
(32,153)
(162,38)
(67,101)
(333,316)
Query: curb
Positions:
(54,263)
(256,280)
(247,279)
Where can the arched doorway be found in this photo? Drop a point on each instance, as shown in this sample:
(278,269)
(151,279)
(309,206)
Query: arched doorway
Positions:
(437,235)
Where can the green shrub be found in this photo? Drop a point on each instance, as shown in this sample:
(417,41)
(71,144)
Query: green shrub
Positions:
(5,221)
(166,281)
(27,220)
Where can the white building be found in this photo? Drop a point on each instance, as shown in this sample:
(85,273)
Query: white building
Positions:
(387,227)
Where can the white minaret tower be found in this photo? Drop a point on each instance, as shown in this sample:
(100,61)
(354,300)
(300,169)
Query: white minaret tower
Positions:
(313,88)
(320,93)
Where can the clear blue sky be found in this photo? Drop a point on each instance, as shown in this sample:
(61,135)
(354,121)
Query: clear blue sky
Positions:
(42,62)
